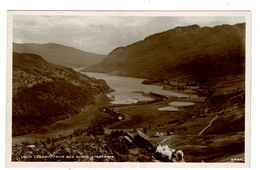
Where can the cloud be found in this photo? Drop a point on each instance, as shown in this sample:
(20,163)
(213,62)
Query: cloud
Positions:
(101,34)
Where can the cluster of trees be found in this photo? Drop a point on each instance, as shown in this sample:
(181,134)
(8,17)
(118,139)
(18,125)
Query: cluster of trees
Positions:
(47,102)
(111,112)
(175,121)
(205,92)
(93,130)
(222,101)
(44,93)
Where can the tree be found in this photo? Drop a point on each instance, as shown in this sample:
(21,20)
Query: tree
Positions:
(144,130)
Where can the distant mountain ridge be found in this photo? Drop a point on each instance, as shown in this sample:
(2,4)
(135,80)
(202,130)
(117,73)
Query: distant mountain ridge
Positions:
(60,54)
(192,52)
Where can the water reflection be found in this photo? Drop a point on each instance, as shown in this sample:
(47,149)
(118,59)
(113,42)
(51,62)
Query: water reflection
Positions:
(126,87)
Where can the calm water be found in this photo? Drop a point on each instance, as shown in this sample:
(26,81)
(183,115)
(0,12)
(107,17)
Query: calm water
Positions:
(168,108)
(127,88)
(174,106)
(178,103)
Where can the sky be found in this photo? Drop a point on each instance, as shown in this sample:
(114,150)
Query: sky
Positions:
(102,34)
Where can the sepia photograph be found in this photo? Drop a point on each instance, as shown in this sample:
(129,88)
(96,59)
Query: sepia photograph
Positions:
(167,88)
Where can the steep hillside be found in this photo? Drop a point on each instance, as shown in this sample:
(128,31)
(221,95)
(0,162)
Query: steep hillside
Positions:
(60,54)
(193,52)
(44,93)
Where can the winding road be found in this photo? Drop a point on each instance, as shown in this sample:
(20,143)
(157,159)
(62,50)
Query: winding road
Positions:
(208,125)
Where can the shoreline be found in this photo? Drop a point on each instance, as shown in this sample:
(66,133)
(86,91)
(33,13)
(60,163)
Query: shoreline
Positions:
(102,102)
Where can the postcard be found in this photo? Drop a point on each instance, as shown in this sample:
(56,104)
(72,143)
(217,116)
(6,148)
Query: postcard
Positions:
(128,89)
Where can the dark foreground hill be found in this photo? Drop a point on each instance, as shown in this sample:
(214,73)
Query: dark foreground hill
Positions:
(192,52)
(44,93)
(60,54)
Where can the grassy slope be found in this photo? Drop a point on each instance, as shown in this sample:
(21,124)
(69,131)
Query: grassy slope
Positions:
(225,138)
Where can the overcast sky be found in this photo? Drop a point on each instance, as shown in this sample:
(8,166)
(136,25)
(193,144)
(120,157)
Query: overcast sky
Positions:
(101,34)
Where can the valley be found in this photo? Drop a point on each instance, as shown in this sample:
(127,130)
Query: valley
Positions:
(181,89)
(186,124)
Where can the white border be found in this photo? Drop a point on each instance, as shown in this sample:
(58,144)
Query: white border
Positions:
(247,16)
(252,5)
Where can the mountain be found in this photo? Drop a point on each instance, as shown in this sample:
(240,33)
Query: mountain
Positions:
(60,54)
(44,92)
(192,52)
